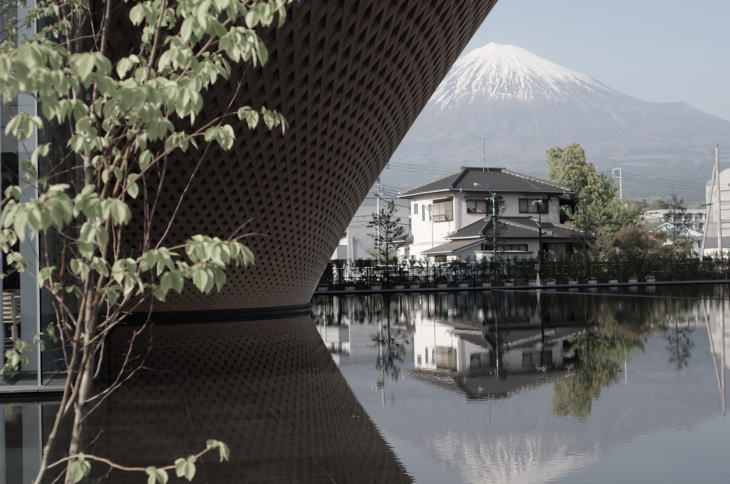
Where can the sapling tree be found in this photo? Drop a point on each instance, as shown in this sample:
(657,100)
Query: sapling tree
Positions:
(386,228)
(121,119)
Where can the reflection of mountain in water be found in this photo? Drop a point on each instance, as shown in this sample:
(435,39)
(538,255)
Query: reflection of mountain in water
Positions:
(520,438)
(515,459)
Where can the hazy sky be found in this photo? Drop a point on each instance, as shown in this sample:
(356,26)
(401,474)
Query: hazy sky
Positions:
(655,50)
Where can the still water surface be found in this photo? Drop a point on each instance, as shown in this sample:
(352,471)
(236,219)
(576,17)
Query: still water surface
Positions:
(526,387)
(498,387)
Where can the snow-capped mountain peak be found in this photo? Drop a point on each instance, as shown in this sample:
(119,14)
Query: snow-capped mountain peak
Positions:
(506,72)
(511,105)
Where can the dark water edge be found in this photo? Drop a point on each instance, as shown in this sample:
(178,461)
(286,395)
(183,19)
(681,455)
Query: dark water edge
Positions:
(507,387)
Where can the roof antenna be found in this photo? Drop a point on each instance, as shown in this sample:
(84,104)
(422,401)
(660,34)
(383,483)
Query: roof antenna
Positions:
(484,153)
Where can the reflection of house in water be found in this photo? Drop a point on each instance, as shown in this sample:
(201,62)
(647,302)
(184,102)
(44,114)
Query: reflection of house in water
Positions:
(333,325)
(490,363)
(337,339)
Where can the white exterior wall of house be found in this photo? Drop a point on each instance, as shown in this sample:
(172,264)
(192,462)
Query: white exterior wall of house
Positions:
(427,233)
(432,336)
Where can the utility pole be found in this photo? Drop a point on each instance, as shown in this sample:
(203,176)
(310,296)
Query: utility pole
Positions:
(494,223)
(718,202)
(708,206)
(377,210)
(539,203)
(494,228)
(619,173)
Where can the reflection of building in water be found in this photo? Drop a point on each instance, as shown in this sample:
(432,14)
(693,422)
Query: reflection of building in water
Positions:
(336,338)
(493,363)
(269,389)
(450,346)
(333,325)
(718,333)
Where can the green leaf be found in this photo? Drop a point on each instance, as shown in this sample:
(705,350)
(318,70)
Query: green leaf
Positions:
(185,467)
(41,150)
(224,453)
(222,134)
(144,159)
(248,114)
(45,274)
(156,476)
(13,191)
(133,190)
(78,469)
(82,65)
(120,212)
(21,126)
(124,65)
(202,279)
(136,14)
(177,281)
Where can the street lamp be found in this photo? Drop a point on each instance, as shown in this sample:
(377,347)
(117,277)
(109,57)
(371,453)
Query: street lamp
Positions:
(494,219)
(539,202)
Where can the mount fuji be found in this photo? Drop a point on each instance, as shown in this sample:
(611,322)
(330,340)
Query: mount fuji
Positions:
(522,104)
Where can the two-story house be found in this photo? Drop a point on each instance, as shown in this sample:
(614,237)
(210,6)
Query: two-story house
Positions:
(452,217)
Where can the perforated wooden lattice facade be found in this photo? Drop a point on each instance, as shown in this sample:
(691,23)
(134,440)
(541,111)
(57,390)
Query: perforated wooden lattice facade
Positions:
(350,76)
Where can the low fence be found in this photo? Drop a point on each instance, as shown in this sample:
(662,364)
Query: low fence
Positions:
(365,273)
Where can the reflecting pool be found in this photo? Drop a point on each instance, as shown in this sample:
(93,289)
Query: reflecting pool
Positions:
(528,387)
(495,386)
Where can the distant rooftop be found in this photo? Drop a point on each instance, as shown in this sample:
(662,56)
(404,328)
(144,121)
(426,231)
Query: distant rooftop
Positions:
(488,179)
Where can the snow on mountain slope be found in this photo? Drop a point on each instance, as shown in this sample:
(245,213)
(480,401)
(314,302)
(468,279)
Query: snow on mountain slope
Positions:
(523,104)
(499,72)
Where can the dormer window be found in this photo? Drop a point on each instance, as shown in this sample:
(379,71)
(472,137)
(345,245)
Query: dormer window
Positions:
(443,210)
(534,205)
(478,205)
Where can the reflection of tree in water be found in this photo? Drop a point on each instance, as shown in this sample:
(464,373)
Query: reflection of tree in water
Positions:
(599,358)
(391,350)
(679,343)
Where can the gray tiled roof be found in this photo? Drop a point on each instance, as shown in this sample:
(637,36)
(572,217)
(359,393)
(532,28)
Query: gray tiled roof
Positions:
(489,179)
(517,228)
(450,247)
(470,231)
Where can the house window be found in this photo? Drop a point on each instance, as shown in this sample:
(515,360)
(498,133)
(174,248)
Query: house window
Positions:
(487,246)
(533,359)
(415,208)
(439,258)
(533,205)
(443,210)
(478,205)
(423,213)
(512,247)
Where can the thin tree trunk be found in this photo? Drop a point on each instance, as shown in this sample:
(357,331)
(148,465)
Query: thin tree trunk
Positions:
(86,376)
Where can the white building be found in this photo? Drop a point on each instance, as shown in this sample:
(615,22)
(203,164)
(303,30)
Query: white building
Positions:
(356,242)
(711,227)
(451,217)
(691,218)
